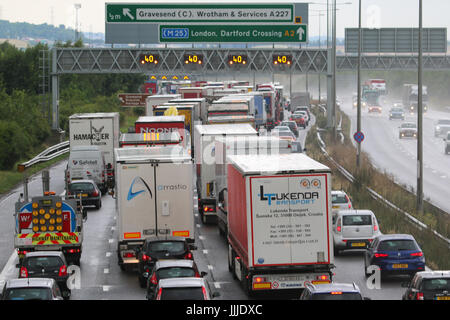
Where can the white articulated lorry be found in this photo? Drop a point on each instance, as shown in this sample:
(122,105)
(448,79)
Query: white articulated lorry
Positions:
(236,145)
(279,221)
(97,129)
(154,197)
(204,140)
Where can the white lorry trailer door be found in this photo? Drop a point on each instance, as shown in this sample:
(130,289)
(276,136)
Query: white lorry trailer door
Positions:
(137,207)
(175,199)
(289,220)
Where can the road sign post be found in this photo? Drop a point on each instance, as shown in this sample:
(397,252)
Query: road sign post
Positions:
(358,136)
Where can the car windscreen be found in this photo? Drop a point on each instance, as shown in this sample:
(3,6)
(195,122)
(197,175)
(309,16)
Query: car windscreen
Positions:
(188,293)
(34,293)
(408,125)
(357,220)
(339,198)
(337,296)
(444,122)
(43,262)
(166,246)
(81,187)
(175,272)
(396,245)
(440,284)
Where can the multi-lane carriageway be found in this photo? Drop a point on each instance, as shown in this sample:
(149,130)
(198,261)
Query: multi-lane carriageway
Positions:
(102,279)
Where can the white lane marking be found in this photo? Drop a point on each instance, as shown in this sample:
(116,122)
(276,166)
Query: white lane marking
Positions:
(108,254)
(10,266)
(106,270)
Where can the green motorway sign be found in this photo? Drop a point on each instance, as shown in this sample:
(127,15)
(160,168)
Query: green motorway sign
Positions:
(201,13)
(232,33)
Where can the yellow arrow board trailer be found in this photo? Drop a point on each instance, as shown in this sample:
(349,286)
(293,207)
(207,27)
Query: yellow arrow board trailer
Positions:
(49,223)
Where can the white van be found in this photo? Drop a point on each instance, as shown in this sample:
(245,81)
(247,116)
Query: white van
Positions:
(87,162)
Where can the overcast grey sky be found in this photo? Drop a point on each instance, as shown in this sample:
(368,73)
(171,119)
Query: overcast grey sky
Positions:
(376,13)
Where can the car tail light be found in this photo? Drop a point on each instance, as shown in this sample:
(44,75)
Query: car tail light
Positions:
(146,258)
(208,209)
(153,279)
(381,255)
(21,252)
(188,256)
(416,254)
(339,227)
(204,293)
(62,271)
(375,227)
(95,193)
(23,272)
(419,296)
(336,292)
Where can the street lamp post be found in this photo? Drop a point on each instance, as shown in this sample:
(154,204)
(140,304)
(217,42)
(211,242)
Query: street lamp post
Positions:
(420,122)
(358,120)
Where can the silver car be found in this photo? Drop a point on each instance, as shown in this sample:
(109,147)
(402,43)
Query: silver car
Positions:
(354,229)
(407,129)
(31,289)
(184,289)
(340,201)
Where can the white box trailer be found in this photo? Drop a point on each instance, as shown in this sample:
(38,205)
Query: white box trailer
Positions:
(156,100)
(204,140)
(154,197)
(100,129)
(240,145)
(279,221)
(95,129)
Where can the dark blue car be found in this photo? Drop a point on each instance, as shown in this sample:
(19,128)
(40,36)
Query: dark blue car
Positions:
(395,254)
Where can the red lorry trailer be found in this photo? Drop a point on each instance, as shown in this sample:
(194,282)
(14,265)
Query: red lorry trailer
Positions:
(279,221)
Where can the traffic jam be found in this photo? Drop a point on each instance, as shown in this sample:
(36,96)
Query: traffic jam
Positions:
(231,155)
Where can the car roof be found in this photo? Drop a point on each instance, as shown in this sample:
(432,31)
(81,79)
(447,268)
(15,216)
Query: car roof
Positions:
(395,237)
(434,274)
(355,212)
(184,263)
(44,254)
(338,192)
(330,287)
(82,181)
(165,238)
(29,282)
(181,282)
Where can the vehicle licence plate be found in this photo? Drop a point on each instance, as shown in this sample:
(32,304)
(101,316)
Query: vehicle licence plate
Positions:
(335,207)
(358,244)
(400,266)
(443,298)
(84,195)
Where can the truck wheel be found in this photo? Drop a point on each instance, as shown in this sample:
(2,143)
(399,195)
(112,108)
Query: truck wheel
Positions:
(231,266)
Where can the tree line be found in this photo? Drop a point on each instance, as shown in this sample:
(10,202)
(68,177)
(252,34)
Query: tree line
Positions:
(24,125)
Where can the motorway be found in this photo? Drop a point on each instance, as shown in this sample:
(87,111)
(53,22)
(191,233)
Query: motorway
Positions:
(399,156)
(102,279)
